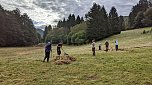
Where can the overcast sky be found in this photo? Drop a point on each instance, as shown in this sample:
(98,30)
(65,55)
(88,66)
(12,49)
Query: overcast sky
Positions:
(44,12)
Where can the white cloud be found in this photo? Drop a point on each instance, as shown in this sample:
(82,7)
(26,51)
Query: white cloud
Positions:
(44,12)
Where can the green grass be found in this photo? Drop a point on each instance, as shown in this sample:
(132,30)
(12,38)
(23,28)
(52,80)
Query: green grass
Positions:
(131,66)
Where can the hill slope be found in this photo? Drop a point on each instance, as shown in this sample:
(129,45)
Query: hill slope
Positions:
(131,66)
(127,39)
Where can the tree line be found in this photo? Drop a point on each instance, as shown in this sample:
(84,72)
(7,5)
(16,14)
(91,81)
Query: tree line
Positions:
(62,30)
(97,25)
(101,25)
(16,29)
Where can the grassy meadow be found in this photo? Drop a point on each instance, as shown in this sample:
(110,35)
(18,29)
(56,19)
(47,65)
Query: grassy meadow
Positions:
(132,65)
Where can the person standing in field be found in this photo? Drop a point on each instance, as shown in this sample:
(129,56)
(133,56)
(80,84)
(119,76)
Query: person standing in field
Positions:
(93,47)
(99,45)
(116,45)
(107,45)
(48,48)
(59,46)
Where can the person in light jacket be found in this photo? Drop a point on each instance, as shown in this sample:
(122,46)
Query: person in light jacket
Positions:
(116,45)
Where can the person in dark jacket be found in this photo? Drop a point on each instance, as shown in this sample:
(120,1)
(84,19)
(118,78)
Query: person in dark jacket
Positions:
(107,45)
(59,46)
(99,45)
(48,48)
(93,47)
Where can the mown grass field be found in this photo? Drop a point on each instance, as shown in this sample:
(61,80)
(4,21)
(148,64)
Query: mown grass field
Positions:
(130,66)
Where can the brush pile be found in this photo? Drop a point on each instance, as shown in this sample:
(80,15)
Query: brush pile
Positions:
(61,60)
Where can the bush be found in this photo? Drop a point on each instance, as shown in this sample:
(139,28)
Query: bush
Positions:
(78,38)
(80,41)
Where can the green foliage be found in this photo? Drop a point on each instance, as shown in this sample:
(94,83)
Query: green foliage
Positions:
(70,22)
(95,22)
(78,20)
(65,29)
(122,23)
(137,19)
(62,34)
(77,32)
(78,38)
(39,38)
(126,21)
(79,27)
(147,21)
(114,21)
(17,29)
(99,25)
(46,32)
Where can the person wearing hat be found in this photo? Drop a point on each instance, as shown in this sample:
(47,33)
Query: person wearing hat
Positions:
(48,48)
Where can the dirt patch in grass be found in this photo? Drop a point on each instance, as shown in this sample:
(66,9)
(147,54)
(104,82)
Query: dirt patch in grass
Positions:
(64,60)
(91,77)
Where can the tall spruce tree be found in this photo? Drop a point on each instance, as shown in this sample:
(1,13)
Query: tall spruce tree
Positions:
(95,23)
(73,23)
(105,22)
(132,15)
(69,24)
(114,21)
(49,28)
(64,23)
(47,31)
(78,20)
(82,20)
(59,24)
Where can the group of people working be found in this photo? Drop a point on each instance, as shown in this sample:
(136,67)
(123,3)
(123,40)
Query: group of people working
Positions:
(106,46)
(48,48)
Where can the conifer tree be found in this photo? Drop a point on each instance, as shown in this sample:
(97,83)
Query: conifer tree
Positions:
(45,33)
(121,23)
(82,20)
(95,19)
(114,21)
(105,22)
(78,20)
